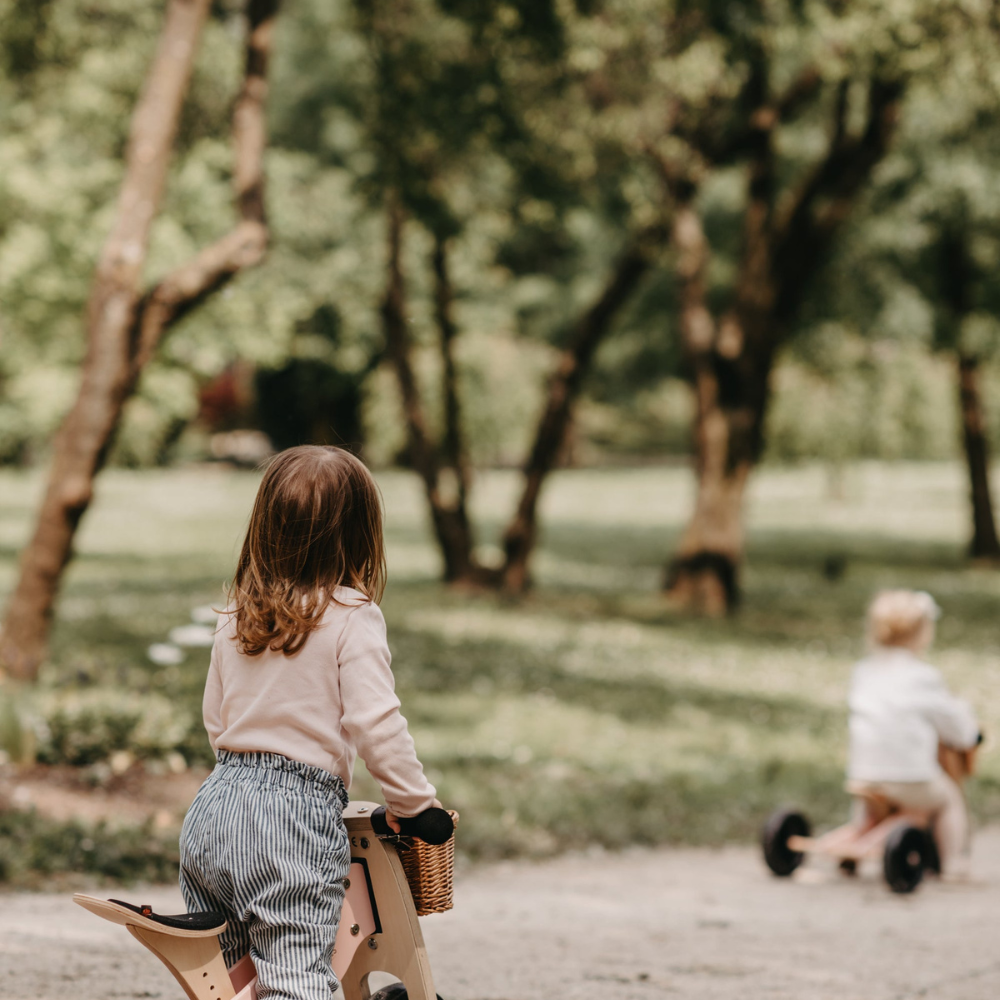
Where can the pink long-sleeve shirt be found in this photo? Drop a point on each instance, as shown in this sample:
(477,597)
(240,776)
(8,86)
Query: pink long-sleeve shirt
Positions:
(324,705)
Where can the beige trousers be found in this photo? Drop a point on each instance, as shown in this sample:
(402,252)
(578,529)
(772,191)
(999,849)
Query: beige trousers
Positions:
(941,797)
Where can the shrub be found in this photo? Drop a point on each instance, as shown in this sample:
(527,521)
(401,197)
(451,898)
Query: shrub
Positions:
(34,849)
(88,726)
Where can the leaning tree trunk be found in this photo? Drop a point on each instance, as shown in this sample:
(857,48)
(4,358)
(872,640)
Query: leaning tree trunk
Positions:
(123,325)
(449,517)
(564,388)
(984,544)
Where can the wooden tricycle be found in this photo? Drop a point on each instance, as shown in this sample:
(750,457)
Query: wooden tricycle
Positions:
(392,880)
(903,838)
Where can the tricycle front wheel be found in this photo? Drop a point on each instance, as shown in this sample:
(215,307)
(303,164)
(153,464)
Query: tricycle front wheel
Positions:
(780,826)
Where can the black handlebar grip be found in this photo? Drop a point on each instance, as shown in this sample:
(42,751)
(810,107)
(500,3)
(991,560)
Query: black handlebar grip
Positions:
(432,826)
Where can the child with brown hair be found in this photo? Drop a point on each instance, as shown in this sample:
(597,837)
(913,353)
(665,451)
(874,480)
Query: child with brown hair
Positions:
(299,685)
(900,711)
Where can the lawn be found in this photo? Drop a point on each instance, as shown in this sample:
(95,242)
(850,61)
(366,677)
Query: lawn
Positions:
(587,712)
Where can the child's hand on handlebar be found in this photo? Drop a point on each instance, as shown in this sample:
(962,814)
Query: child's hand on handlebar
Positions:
(393,820)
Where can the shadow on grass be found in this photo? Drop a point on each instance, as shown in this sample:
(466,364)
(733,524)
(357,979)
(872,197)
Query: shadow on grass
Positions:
(622,546)
(543,813)
(428,665)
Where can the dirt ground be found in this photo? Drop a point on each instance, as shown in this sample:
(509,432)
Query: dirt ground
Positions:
(676,923)
(130,798)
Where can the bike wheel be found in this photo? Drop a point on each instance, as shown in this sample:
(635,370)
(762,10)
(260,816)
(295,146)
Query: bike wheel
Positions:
(905,858)
(782,824)
(394,991)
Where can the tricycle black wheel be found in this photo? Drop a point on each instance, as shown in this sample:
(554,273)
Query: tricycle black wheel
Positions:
(905,858)
(932,860)
(782,824)
(394,991)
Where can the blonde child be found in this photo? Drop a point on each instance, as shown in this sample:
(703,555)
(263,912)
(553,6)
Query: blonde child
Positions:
(900,710)
(299,685)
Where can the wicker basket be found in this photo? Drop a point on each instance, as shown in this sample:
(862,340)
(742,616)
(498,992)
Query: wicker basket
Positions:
(430,870)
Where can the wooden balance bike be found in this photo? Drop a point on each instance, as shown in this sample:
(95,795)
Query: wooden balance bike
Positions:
(392,880)
(903,838)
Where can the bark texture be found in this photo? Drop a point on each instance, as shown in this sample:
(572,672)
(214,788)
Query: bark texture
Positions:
(453,444)
(443,470)
(563,391)
(984,544)
(730,356)
(729,404)
(124,325)
(958,272)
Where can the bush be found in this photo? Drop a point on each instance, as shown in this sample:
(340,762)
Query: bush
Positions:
(89,726)
(16,733)
(33,849)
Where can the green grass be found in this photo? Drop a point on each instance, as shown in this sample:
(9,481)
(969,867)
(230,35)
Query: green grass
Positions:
(587,712)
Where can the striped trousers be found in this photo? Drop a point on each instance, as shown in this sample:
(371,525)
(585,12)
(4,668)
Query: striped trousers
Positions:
(264,842)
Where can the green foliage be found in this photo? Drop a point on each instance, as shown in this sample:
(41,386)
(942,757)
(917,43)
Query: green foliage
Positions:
(86,726)
(918,261)
(64,116)
(90,725)
(523,132)
(14,732)
(36,852)
(840,397)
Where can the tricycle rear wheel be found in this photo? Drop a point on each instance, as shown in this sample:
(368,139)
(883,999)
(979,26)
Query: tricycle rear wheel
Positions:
(905,858)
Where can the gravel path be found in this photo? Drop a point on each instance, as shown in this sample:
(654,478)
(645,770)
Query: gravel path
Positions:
(677,923)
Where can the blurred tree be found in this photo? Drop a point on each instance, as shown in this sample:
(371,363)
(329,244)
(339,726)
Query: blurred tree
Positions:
(458,91)
(929,244)
(469,207)
(959,274)
(423,130)
(841,69)
(125,325)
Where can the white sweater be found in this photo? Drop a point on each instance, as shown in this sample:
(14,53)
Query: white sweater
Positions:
(900,710)
(324,705)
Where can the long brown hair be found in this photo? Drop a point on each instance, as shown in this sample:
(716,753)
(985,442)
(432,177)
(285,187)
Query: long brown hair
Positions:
(316,524)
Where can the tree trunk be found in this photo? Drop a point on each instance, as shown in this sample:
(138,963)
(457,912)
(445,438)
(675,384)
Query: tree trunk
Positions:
(704,573)
(730,369)
(123,327)
(564,388)
(984,544)
(453,443)
(731,359)
(449,518)
(731,393)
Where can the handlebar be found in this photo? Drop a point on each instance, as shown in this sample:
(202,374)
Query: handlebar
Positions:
(432,826)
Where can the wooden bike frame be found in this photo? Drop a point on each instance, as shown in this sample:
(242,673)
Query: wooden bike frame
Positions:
(378,932)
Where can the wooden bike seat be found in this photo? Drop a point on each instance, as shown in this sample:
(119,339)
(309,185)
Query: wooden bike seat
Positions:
(187,944)
(184,925)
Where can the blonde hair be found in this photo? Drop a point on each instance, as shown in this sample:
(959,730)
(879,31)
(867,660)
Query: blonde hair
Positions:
(316,525)
(900,617)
